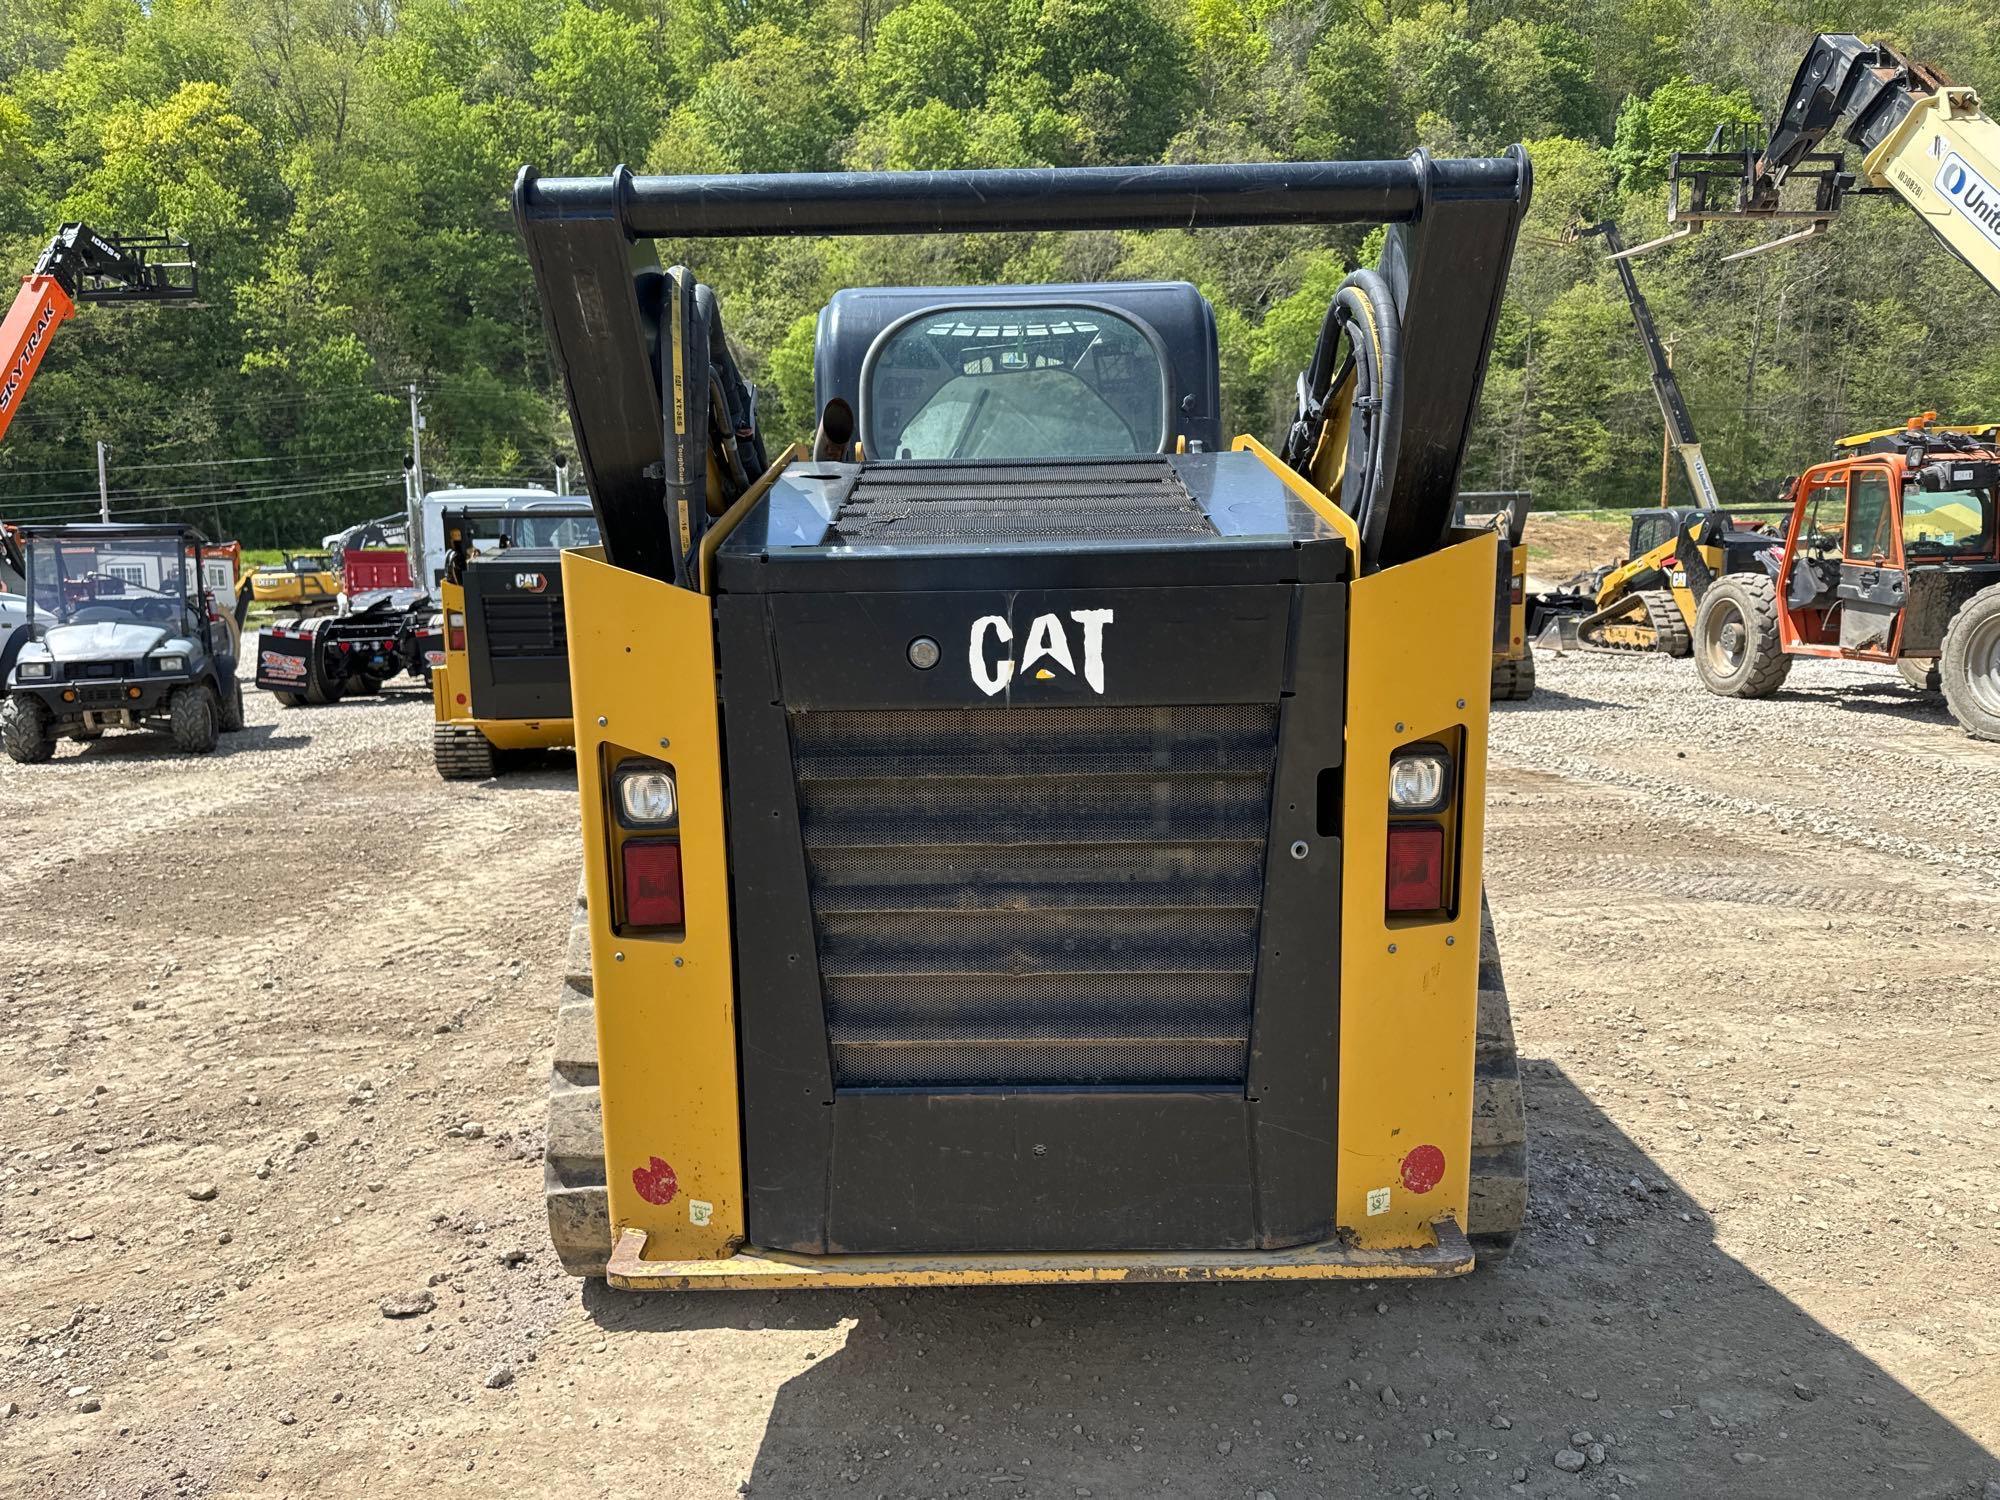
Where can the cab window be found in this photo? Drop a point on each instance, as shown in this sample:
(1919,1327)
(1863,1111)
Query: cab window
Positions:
(1946,523)
(1015,383)
(1868,514)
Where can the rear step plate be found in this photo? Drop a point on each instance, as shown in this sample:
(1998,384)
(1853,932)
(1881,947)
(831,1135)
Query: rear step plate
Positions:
(1448,1255)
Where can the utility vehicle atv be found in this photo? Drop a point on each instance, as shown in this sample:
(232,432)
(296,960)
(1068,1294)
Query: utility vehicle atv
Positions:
(122,634)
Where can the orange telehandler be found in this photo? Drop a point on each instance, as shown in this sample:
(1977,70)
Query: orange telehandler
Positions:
(81,265)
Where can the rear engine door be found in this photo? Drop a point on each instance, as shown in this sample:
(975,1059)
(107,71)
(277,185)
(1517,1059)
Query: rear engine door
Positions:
(517,650)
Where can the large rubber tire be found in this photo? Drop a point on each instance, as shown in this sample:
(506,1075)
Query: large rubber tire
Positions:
(196,718)
(288,700)
(1737,650)
(1670,627)
(1969,665)
(1499,1198)
(462,753)
(320,689)
(1919,673)
(25,730)
(1514,681)
(362,686)
(232,708)
(573,1161)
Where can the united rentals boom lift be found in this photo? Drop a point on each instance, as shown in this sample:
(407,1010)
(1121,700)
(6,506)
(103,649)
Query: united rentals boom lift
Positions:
(1923,138)
(81,265)
(1028,837)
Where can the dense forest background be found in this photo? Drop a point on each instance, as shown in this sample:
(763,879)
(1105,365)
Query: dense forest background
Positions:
(342,168)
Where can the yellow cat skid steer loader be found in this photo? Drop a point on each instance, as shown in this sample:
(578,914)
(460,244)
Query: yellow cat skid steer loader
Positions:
(1027,838)
(501,684)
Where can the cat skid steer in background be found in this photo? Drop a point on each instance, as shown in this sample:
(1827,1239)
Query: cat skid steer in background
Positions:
(1024,831)
(503,682)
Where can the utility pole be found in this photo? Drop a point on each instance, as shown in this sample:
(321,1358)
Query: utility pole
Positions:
(416,441)
(103,482)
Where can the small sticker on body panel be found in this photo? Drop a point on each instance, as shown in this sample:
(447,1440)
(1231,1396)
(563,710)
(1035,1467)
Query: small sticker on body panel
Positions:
(699,1212)
(655,1182)
(1378,1201)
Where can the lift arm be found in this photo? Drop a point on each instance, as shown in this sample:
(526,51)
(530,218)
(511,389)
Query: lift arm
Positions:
(1925,139)
(81,265)
(1673,408)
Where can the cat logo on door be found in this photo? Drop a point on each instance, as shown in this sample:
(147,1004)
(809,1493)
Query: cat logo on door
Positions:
(1046,647)
(532,583)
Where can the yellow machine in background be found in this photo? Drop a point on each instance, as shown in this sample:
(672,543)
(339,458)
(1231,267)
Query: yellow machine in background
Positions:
(502,683)
(304,581)
(1049,851)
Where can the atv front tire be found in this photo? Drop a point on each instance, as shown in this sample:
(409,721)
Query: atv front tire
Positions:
(25,730)
(232,708)
(196,717)
(1737,649)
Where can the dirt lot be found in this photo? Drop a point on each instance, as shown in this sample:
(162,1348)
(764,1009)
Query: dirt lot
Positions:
(248,1006)
(1561,546)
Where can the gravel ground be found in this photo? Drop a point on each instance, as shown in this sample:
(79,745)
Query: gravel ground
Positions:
(273,1027)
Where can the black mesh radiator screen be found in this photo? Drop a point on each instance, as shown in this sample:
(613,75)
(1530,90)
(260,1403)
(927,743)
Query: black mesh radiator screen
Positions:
(1060,896)
(523,625)
(1066,499)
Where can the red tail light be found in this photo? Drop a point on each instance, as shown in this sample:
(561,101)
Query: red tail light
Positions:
(1516,593)
(454,632)
(652,879)
(1416,867)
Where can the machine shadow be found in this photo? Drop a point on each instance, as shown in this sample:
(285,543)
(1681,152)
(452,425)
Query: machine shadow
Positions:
(1551,700)
(1618,1321)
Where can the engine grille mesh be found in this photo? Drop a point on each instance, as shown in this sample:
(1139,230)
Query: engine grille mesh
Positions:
(1068,500)
(1037,897)
(523,625)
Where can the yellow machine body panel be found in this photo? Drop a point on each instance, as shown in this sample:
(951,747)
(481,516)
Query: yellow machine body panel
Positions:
(290,584)
(642,676)
(451,694)
(1409,988)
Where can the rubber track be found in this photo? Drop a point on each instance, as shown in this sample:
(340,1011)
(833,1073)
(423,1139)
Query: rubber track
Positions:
(1499,1196)
(462,753)
(1514,681)
(1670,631)
(573,1161)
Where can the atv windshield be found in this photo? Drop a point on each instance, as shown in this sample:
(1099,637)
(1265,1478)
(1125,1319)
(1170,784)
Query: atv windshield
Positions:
(1946,523)
(1015,383)
(155,580)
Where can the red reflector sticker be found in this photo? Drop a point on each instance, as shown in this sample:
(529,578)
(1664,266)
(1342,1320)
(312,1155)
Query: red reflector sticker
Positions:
(1416,867)
(652,883)
(1423,1169)
(655,1182)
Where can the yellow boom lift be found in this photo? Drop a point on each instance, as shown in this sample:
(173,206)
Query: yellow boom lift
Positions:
(1923,138)
(1028,836)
